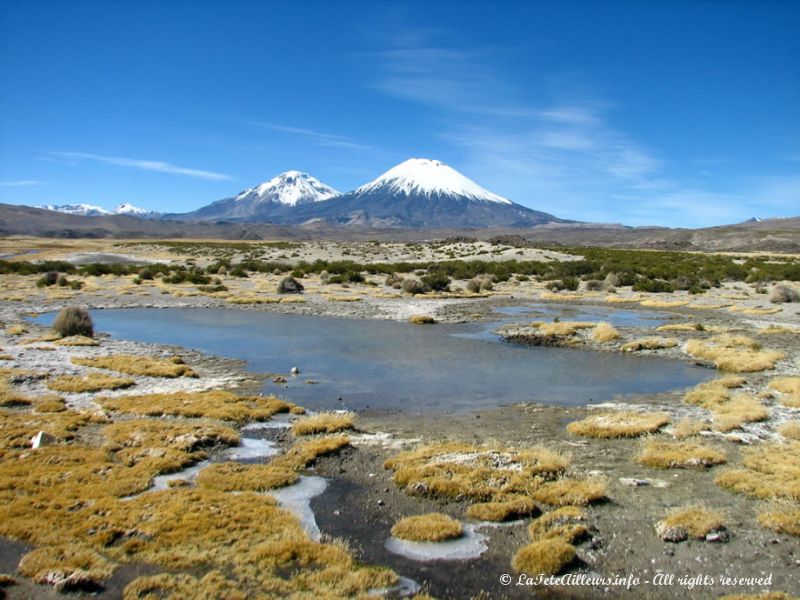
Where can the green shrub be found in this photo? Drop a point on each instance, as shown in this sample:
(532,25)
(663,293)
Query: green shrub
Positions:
(290,285)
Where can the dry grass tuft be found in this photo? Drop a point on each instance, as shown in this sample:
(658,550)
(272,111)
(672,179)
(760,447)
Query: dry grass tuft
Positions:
(688,428)
(604,332)
(16,330)
(544,557)
(741,409)
(132,364)
(713,393)
(754,311)
(570,491)
(215,404)
(781,520)
(326,422)
(651,343)
(689,522)
(654,303)
(618,424)
(49,403)
(567,523)
(93,382)
(786,385)
(238,477)
(9,397)
(422,320)
(561,328)
(176,586)
(769,472)
(432,527)
(303,454)
(76,340)
(790,430)
(737,354)
(507,510)
(666,454)
(55,564)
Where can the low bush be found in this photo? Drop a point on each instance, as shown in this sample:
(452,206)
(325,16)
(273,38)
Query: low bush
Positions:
(290,285)
(784,293)
(74,320)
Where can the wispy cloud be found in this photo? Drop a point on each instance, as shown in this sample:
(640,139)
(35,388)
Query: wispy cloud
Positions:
(21,183)
(319,137)
(144,165)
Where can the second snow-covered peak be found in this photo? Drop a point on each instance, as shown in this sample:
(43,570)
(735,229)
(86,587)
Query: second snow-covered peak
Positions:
(429,178)
(290,188)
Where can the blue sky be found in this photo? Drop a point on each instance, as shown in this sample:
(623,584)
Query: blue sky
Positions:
(669,113)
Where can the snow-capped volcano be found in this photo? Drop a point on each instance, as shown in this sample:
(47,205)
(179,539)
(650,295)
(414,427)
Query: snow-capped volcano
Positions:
(267,201)
(426,177)
(127,208)
(290,188)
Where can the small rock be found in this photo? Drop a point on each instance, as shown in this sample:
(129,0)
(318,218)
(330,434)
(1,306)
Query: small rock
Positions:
(42,439)
(381,503)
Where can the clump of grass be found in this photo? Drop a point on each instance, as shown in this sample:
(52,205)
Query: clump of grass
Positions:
(238,477)
(689,522)
(736,354)
(73,320)
(66,566)
(786,385)
(666,454)
(567,524)
(214,404)
(180,585)
(9,397)
(252,300)
(93,382)
(679,327)
(326,422)
(133,364)
(755,311)
(784,519)
(16,330)
(604,332)
(618,424)
(688,428)
(568,491)
(479,473)
(741,409)
(422,320)
(768,471)
(544,557)
(790,430)
(650,343)
(431,527)
(654,303)
(561,328)
(713,393)
(76,340)
(505,510)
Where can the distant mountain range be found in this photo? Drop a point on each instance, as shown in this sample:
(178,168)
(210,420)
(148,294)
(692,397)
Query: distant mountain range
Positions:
(91,210)
(418,193)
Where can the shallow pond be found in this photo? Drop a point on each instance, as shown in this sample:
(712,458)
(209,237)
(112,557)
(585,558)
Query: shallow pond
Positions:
(395,365)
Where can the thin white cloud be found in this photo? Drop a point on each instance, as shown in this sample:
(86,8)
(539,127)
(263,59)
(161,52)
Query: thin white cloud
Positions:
(321,138)
(21,183)
(144,165)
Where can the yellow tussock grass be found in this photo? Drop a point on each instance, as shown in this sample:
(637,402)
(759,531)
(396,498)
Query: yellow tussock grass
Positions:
(778,330)
(565,296)
(49,403)
(50,564)
(622,299)
(77,340)
(544,557)
(568,523)
(569,491)
(604,332)
(786,385)
(176,586)
(16,329)
(93,382)
(667,454)
(10,397)
(132,364)
(741,409)
(781,520)
(689,522)
(305,453)
(650,343)
(293,300)
(708,306)
(421,320)
(327,422)
(16,429)
(737,354)
(214,404)
(754,311)
(252,300)
(507,510)
(790,430)
(688,428)
(238,477)
(431,527)
(713,393)
(768,471)
(654,303)
(561,328)
(333,298)
(618,424)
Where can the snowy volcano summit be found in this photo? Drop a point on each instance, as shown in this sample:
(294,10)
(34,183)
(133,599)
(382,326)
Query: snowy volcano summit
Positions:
(268,200)
(426,177)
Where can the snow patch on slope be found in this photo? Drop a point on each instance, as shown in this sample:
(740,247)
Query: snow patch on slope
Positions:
(289,188)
